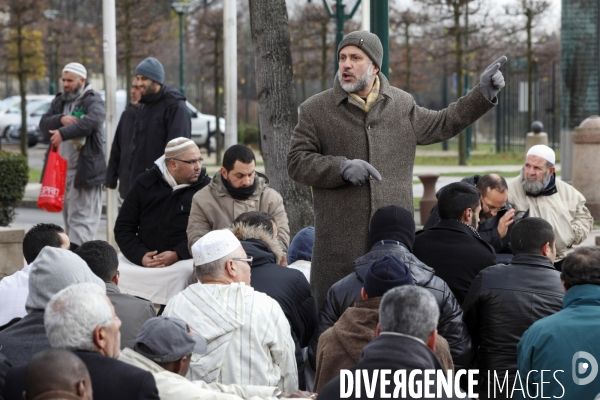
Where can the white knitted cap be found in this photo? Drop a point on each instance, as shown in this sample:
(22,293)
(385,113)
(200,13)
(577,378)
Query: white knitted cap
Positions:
(77,69)
(541,150)
(214,245)
(178,146)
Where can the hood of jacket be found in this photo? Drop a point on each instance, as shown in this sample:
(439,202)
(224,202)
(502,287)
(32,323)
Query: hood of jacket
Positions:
(302,245)
(259,244)
(261,184)
(53,270)
(421,273)
(356,326)
(166,92)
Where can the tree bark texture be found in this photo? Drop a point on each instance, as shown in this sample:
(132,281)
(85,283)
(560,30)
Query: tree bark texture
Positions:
(277,108)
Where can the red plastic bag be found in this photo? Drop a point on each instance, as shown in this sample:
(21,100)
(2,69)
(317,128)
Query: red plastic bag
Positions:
(52,193)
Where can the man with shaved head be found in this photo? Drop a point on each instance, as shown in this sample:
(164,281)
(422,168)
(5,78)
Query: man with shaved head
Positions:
(57,374)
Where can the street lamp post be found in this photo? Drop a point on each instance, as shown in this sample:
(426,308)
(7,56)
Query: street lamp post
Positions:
(181,9)
(51,15)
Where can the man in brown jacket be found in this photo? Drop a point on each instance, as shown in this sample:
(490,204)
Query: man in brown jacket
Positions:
(364,128)
(237,188)
(341,345)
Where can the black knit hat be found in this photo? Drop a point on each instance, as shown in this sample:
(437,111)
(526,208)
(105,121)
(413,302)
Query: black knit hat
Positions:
(392,223)
(367,42)
(386,273)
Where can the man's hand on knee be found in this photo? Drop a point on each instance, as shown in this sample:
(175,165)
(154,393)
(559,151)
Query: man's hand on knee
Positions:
(358,171)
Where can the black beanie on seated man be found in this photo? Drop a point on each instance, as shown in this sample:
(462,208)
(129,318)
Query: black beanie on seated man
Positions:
(392,223)
(386,273)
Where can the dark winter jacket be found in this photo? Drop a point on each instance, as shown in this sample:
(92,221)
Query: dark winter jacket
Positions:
(455,252)
(91,165)
(391,351)
(120,152)
(111,379)
(154,217)
(502,303)
(345,292)
(22,340)
(5,366)
(287,286)
(488,230)
(161,117)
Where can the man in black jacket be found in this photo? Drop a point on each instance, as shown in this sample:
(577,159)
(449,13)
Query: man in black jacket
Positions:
(150,228)
(74,122)
(287,286)
(120,152)
(392,231)
(162,116)
(453,247)
(505,300)
(404,341)
(82,319)
(495,218)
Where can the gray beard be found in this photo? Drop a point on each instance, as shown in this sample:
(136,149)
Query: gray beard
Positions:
(68,97)
(360,84)
(535,187)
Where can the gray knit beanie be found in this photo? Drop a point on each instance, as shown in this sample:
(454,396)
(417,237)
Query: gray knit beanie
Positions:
(151,68)
(367,42)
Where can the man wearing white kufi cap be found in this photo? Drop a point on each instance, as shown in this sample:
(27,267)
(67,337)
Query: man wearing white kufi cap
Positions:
(248,335)
(150,228)
(537,193)
(74,123)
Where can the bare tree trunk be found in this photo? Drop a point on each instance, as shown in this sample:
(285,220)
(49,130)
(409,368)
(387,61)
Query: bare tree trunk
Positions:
(324,56)
(128,50)
(408,57)
(22,76)
(217,78)
(462,137)
(278,113)
(529,16)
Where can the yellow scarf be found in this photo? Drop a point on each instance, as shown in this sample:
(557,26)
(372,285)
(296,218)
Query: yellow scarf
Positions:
(371,97)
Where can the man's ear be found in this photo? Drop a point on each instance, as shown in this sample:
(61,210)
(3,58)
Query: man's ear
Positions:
(80,388)
(230,269)
(431,340)
(564,287)
(546,249)
(180,365)
(467,214)
(377,330)
(223,172)
(115,280)
(363,294)
(552,170)
(99,337)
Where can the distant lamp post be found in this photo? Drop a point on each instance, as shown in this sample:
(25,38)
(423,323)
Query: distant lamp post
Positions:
(181,9)
(51,15)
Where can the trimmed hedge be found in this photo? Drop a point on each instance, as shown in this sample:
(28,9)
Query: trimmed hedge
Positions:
(14,174)
(248,134)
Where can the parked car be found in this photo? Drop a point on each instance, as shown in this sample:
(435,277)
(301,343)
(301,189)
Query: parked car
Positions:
(204,127)
(10,110)
(35,110)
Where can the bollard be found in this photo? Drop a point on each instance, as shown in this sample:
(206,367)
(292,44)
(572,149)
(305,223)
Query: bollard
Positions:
(536,136)
(428,200)
(586,148)
(11,251)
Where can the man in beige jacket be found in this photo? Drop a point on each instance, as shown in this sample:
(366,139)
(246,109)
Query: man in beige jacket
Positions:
(237,188)
(537,193)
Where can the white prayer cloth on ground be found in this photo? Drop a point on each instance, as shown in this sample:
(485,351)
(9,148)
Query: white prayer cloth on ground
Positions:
(155,284)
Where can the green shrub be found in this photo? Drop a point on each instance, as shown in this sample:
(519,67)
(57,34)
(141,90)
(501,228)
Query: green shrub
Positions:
(248,134)
(14,175)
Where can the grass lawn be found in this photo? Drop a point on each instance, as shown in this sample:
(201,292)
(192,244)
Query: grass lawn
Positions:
(35,175)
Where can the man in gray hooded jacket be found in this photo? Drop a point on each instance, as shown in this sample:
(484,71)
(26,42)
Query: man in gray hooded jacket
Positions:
(53,270)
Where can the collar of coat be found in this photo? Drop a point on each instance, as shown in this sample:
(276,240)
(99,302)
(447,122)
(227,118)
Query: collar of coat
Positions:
(245,232)
(263,183)
(455,225)
(371,97)
(548,190)
(532,260)
(341,95)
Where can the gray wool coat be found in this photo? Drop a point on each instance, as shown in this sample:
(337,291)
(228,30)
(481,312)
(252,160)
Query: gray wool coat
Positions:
(332,127)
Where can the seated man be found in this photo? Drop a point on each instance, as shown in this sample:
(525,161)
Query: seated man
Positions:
(248,336)
(405,338)
(392,231)
(234,190)
(567,340)
(150,228)
(299,254)
(53,270)
(286,285)
(102,259)
(82,319)
(57,374)
(164,348)
(453,247)
(15,288)
(495,218)
(537,193)
(341,345)
(504,300)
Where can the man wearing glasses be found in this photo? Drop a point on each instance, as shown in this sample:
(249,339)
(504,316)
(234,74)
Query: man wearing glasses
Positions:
(150,228)
(495,218)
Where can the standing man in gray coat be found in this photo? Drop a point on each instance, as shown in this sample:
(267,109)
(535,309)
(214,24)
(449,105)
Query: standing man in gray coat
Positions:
(74,122)
(355,145)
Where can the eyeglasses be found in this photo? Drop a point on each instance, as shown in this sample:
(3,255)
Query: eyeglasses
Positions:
(190,162)
(248,260)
